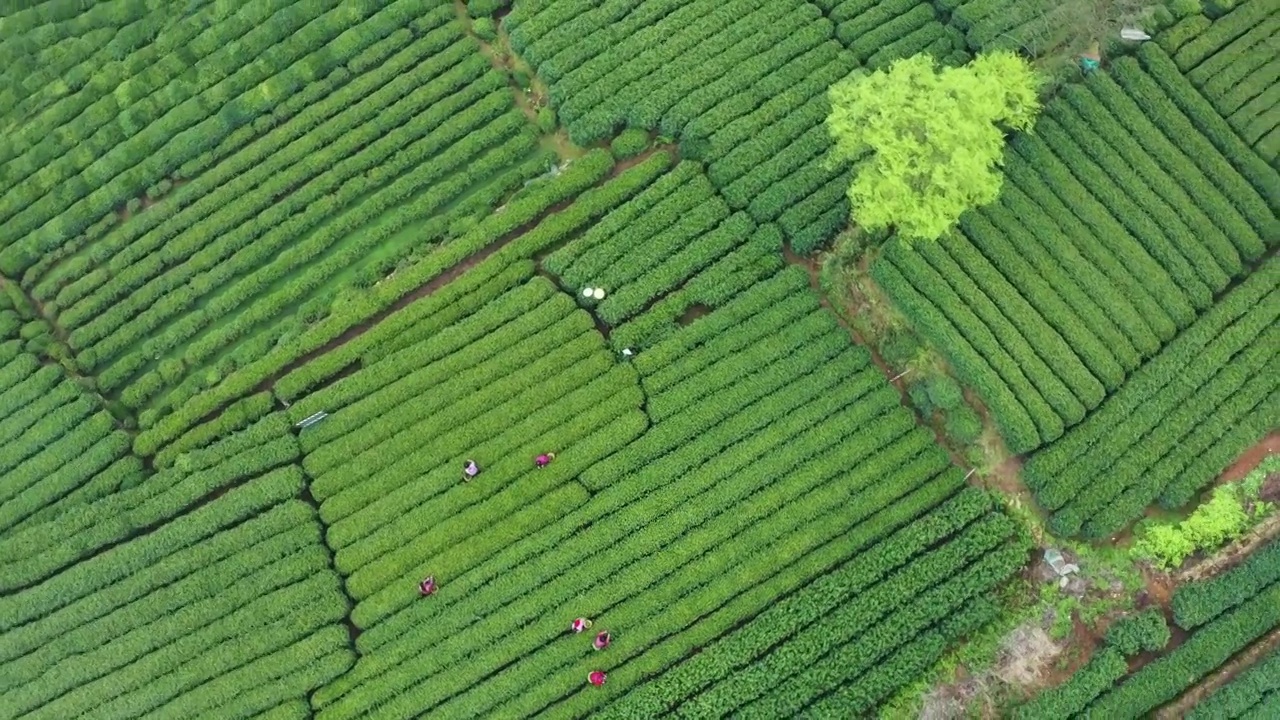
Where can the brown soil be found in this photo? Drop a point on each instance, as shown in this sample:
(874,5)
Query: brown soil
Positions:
(1241,662)
(1250,459)
(625,165)
(694,312)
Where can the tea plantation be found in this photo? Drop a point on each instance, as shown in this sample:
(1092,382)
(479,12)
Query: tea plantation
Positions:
(274,272)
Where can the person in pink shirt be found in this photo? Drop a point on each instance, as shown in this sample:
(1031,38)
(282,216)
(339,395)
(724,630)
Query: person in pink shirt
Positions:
(428,586)
(597,678)
(602,640)
(580,624)
(469,470)
(544,460)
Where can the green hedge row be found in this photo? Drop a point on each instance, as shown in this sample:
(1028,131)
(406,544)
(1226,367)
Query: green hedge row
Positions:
(109,579)
(60,468)
(204,262)
(45,431)
(677,432)
(892,551)
(1043,283)
(1171,309)
(669,79)
(810,331)
(670,195)
(665,274)
(585,172)
(1083,687)
(1146,631)
(1236,60)
(1264,178)
(1041,352)
(579,35)
(125,473)
(789,86)
(614,545)
(94,102)
(1046,400)
(188,128)
(172,579)
(378,554)
(671,111)
(1085,444)
(680,32)
(234,418)
(437,352)
(168,246)
(697,115)
(171,613)
(762,595)
(1203,465)
(466,294)
(929,38)
(1071,351)
(1132,202)
(38,550)
(764,134)
(864,629)
(381,415)
(1220,33)
(459,323)
(1165,678)
(1010,416)
(864,44)
(262,164)
(398,213)
(751,325)
(1253,120)
(206,660)
(640,221)
(1220,435)
(1066,252)
(619,497)
(802,524)
(657,242)
(779,177)
(1196,604)
(1247,691)
(609,54)
(1222,232)
(1224,194)
(759,258)
(527,23)
(36,392)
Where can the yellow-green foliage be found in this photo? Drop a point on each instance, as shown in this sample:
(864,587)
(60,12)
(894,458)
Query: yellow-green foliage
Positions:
(936,137)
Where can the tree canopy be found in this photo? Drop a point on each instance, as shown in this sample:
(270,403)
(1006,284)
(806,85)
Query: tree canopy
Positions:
(928,140)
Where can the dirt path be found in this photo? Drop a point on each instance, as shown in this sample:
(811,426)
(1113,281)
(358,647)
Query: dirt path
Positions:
(1250,459)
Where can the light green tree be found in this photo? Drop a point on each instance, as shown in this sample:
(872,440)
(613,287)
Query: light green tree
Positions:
(927,140)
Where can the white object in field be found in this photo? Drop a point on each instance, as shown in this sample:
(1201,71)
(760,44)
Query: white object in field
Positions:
(1134,34)
(586,292)
(627,352)
(311,420)
(598,293)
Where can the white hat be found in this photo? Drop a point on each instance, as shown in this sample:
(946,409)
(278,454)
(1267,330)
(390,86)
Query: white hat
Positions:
(599,293)
(586,292)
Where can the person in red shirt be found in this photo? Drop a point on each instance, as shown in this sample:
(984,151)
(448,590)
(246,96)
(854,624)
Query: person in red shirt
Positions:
(596,678)
(544,460)
(580,624)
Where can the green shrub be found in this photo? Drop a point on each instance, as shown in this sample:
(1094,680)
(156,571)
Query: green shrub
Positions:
(1146,631)
(485,29)
(899,348)
(963,425)
(945,392)
(629,143)
(546,120)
